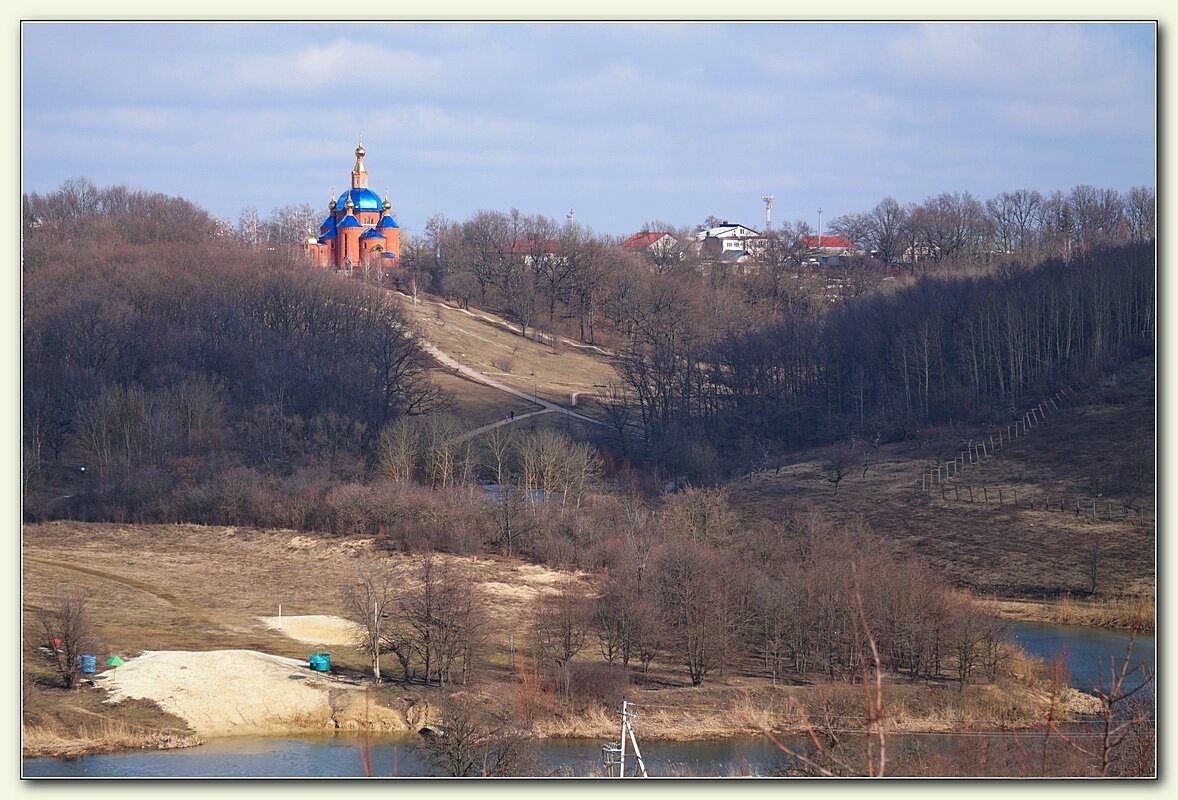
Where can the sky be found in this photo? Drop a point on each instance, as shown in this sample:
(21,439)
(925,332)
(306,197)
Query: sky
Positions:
(622,123)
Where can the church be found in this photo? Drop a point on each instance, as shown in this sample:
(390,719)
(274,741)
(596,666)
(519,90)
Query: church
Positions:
(359,230)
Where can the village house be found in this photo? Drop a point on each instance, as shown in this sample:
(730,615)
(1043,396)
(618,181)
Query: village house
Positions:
(729,242)
(826,251)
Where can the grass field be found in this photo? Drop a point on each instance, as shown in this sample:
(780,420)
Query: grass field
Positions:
(498,350)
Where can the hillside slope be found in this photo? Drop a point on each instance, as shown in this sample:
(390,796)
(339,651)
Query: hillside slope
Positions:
(1098,448)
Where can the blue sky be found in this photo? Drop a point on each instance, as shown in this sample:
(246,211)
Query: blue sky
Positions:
(624,123)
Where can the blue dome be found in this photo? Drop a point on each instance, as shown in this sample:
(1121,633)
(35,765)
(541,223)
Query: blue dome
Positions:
(362,199)
(387,222)
(349,222)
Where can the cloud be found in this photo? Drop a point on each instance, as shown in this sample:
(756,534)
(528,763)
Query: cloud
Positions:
(342,62)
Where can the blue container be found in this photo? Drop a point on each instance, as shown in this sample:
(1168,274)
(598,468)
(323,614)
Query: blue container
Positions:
(320,662)
(87,664)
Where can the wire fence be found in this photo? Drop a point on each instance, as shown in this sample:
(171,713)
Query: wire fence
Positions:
(937,478)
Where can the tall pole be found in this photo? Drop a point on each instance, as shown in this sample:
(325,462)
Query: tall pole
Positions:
(819,228)
(768,198)
(622,740)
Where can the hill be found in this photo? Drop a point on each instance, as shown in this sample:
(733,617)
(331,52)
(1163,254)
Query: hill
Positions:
(1099,448)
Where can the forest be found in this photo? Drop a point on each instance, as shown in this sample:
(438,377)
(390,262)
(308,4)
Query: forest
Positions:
(161,345)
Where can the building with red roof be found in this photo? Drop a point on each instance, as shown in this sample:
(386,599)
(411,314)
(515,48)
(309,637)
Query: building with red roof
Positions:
(826,243)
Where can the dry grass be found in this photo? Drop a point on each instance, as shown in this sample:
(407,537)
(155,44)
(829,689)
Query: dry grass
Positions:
(554,374)
(106,735)
(1120,612)
(994,549)
(475,403)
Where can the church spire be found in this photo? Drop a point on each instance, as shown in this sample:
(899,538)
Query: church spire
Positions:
(359,173)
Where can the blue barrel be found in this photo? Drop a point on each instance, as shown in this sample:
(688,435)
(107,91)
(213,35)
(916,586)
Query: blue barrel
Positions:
(320,662)
(87,664)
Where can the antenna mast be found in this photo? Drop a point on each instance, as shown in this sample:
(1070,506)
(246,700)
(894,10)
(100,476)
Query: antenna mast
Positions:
(768,198)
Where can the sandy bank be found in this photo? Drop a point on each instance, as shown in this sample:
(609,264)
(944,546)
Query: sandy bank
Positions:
(243,692)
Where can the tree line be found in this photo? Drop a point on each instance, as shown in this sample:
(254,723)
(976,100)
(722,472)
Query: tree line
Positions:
(935,350)
(152,361)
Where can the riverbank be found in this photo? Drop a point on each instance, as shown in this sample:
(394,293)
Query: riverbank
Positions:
(220,694)
(1117,613)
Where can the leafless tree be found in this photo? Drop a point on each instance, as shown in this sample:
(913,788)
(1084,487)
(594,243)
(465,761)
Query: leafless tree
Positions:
(441,610)
(480,739)
(371,605)
(836,464)
(560,628)
(702,515)
(67,632)
(399,450)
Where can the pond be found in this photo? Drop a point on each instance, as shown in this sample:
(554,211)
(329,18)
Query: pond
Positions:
(1088,653)
(341,756)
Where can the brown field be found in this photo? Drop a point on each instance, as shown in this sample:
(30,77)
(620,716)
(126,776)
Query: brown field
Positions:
(1099,446)
(196,588)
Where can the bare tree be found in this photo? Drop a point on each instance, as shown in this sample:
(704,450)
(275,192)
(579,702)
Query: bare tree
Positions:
(480,739)
(559,630)
(836,464)
(399,450)
(370,604)
(68,632)
(441,611)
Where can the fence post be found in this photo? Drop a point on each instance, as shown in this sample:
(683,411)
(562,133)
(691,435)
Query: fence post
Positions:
(1093,509)
(942,491)
(971,495)
(957,495)
(985,496)
(999,495)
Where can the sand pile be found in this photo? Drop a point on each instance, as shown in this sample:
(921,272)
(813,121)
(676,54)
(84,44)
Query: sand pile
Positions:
(242,692)
(321,629)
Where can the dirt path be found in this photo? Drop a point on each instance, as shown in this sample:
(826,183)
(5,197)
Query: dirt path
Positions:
(475,375)
(131,583)
(501,423)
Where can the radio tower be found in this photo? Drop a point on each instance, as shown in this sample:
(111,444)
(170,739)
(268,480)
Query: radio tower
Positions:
(768,198)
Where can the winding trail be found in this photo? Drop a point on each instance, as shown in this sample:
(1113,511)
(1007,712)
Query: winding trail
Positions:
(475,375)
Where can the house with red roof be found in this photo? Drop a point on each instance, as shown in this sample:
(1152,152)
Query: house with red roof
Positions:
(824,250)
(659,246)
(534,251)
(650,240)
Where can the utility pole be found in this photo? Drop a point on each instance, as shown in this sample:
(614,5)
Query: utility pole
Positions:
(819,228)
(614,753)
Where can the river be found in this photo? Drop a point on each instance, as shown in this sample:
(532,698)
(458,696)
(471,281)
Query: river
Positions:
(1086,651)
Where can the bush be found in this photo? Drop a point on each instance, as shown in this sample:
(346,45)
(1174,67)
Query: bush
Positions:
(593,683)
